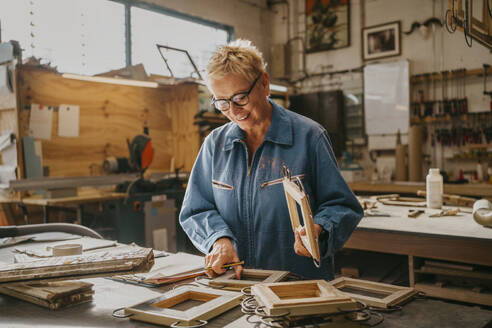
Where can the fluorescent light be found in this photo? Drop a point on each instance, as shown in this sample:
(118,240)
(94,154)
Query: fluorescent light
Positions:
(279,88)
(111,80)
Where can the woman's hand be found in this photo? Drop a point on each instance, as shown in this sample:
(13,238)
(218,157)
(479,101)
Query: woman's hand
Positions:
(299,247)
(222,252)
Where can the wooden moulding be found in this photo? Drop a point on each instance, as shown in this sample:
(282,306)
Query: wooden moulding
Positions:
(383,295)
(160,310)
(294,195)
(249,278)
(100,264)
(302,298)
(52,295)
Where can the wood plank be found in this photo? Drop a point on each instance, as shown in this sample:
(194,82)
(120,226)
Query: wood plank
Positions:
(466,250)
(482,190)
(105,263)
(109,114)
(454,273)
(455,293)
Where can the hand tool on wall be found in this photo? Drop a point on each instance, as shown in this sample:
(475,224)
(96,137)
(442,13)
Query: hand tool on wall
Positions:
(485,92)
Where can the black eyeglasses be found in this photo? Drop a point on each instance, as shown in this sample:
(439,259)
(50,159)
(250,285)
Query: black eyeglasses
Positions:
(239,99)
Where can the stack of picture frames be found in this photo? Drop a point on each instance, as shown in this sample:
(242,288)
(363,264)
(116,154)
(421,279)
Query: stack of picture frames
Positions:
(184,306)
(373,294)
(302,298)
(249,278)
(473,17)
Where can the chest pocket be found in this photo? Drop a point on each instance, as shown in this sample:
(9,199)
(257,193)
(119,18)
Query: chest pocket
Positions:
(221,185)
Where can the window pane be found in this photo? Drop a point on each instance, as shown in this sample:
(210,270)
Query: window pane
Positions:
(85,37)
(151,28)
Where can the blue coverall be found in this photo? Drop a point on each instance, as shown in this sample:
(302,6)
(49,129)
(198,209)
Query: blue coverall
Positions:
(226,198)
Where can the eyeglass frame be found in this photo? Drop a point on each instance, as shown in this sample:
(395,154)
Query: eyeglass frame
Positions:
(229,100)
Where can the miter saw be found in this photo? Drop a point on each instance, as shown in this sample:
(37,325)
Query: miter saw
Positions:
(141,155)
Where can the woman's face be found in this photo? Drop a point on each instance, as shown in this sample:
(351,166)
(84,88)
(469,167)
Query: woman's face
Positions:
(255,111)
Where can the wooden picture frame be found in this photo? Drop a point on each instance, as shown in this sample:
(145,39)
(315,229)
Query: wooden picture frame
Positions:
(373,293)
(479,28)
(302,298)
(327,25)
(294,195)
(249,278)
(381,41)
(160,310)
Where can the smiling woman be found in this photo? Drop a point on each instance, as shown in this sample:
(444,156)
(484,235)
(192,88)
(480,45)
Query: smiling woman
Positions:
(248,220)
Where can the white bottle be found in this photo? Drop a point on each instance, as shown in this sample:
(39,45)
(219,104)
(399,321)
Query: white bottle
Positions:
(434,189)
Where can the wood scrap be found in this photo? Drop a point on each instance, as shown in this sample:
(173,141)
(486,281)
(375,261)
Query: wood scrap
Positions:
(449,199)
(52,295)
(122,260)
(397,200)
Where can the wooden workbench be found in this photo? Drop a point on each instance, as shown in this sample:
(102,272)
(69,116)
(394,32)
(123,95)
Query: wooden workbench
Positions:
(455,238)
(483,190)
(111,295)
(84,196)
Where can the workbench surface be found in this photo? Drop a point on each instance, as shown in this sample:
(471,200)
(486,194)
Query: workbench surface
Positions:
(461,225)
(470,189)
(110,295)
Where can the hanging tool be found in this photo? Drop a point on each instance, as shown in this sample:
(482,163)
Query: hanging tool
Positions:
(485,74)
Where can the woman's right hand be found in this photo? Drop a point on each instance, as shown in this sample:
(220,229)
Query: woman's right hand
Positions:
(222,253)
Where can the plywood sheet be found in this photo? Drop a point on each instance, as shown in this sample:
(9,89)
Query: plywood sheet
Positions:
(109,114)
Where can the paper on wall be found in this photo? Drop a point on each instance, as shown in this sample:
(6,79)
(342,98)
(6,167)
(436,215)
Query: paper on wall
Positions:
(8,150)
(7,95)
(68,120)
(40,122)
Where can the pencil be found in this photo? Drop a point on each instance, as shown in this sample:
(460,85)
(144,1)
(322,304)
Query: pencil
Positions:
(229,265)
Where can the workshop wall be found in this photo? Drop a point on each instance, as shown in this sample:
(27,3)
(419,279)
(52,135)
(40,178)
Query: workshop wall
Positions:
(109,114)
(437,51)
(250,18)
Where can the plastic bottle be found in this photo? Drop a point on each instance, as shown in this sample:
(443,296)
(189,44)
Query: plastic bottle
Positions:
(434,188)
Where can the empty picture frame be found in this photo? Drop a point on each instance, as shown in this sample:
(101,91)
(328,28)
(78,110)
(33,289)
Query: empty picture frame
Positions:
(373,293)
(185,305)
(294,195)
(249,278)
(302,298)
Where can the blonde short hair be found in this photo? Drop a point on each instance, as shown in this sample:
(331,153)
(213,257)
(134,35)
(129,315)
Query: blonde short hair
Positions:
(240,57)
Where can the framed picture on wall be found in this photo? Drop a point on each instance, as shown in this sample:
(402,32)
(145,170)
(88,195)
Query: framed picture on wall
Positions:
(381,41)
(327,24)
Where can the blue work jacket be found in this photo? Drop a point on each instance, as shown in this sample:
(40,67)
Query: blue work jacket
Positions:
(226,198)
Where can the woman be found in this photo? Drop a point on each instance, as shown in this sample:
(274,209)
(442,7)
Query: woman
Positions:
(235,207)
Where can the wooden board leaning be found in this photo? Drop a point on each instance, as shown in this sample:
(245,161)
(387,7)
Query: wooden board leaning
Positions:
(106,263)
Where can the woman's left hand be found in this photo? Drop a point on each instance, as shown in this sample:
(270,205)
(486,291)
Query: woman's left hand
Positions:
(299,247)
